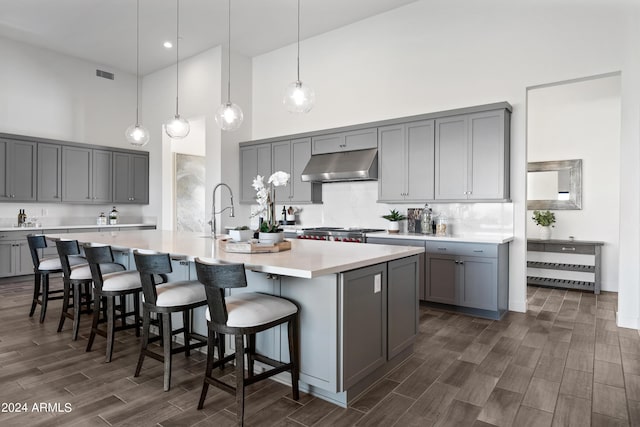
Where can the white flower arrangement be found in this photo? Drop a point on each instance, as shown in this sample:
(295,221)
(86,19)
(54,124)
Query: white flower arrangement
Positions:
(265,196)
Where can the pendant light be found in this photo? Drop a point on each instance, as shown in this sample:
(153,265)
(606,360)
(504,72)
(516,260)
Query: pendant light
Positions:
(299,98)
(229,116)
(177,127)
(136,134)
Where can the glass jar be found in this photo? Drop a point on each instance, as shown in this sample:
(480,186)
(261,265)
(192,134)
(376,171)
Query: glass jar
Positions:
(425,221)
(442,226)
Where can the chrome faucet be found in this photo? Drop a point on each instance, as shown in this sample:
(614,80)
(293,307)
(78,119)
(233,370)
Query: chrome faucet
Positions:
(212,223)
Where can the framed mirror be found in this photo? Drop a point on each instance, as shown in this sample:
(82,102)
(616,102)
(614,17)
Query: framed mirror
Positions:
(554,185)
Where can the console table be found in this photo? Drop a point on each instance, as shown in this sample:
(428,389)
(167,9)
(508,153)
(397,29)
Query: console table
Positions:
(567,247)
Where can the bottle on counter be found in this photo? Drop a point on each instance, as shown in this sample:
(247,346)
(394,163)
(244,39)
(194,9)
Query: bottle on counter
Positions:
(113,216)
(21,216)
(284,215)
(102,219)
(425,220)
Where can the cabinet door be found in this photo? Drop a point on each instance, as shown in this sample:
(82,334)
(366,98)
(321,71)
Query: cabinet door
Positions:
(76,174)
(420,160)
(486,156)
(23,261)
(102,170)
(364,331)
(49,173)
(6,260)
(478,284)
(254,160)
(402,304)
(121,178)
(451,158)
(5,194)
(139,179)
(281,161)
(391,171)
(327,143)
(441,278)
(22,170)
(302,192)
(360,139)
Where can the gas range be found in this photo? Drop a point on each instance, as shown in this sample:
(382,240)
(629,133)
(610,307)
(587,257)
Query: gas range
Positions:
(337,234)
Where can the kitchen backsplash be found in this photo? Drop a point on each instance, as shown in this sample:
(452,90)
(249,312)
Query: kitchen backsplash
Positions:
(353,204)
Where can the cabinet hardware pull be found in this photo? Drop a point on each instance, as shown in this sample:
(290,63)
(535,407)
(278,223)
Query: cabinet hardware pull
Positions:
(442,249)
(568,249)
(478,250)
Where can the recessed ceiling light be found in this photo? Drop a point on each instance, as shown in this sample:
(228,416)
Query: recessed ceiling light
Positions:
(167,44)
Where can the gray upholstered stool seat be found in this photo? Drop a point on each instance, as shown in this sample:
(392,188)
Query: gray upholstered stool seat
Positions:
(121,281)
(53,263)
(253,309)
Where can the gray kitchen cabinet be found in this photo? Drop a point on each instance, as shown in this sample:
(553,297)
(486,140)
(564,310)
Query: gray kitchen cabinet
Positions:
(402,304)
(345,141)
(421,257)
(15,257)
(18,175)
(254,160)
(86,175)
(130,178)
(292,157)
(472,156)
(471,276)
(363,293)
(406,158)
(49,173)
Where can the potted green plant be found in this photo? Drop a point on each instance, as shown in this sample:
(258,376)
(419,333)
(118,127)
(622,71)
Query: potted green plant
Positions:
(241,234)
(545,220)
(394,217)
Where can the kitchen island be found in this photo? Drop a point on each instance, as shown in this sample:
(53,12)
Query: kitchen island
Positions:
(358,303)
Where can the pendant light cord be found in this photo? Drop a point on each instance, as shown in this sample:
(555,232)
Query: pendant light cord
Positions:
(177,49)
(298,40)
(137,62)
(229,57)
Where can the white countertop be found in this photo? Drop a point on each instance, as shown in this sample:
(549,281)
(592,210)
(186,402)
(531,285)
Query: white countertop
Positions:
(71,227)
(471,238)
(306,259)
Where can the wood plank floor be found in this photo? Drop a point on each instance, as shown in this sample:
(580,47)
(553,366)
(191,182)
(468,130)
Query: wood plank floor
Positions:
(564,363)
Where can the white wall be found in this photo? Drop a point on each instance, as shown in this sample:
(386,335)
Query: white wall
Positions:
(436,55)
(48,95)
(581,120)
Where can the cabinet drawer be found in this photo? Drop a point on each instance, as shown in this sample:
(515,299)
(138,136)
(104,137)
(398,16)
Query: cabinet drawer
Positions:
(15,235)
(569,248)
(464,249)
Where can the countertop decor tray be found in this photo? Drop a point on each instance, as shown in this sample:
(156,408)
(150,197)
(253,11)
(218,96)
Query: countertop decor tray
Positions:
(255,248)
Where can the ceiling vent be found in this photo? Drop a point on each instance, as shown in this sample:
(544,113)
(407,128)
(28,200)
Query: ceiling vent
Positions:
(105,74)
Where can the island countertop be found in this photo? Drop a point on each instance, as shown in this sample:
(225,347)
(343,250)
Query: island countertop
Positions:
(306,259)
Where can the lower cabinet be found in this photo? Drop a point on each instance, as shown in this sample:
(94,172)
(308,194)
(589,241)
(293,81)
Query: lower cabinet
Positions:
(15,258)
(421,259)
(468,275)
(402,304)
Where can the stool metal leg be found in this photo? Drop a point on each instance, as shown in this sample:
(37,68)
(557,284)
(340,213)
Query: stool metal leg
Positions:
(45,296)
(37,280)
(166,325)
(146,322)
(111,320)
(65,304)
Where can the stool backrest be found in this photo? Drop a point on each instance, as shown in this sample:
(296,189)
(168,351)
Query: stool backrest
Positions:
(150,267)
(36,241)
(65,249)
(216,278)
(97,255)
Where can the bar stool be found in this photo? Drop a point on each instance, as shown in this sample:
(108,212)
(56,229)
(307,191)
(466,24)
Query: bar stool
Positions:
(164,299)
(75,278)
(106,287)
(42,268)
(242,315)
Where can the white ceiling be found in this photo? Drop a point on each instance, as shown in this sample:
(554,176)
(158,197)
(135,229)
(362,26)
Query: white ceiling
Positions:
(104,31)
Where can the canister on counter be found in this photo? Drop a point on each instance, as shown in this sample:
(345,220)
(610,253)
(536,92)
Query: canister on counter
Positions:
(442,226)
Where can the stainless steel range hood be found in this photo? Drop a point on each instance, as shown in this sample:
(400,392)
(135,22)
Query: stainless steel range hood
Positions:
(358,165)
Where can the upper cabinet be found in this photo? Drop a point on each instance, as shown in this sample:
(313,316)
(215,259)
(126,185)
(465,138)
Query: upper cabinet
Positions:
(49,173)
(86,175)
(406,153)
(18,175)
(472,157)
(130,178)
(345,141)
(292,157)
(254,160)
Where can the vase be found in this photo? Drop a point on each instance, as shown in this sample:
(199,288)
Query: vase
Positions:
(545,232)
(394,227)
(271,237)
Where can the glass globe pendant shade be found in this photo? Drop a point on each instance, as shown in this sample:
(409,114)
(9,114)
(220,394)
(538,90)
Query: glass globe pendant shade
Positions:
(299,98)
(137,135)
(177,128)
(229,116)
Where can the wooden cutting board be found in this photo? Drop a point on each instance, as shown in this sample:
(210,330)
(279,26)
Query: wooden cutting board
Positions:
(254,248)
